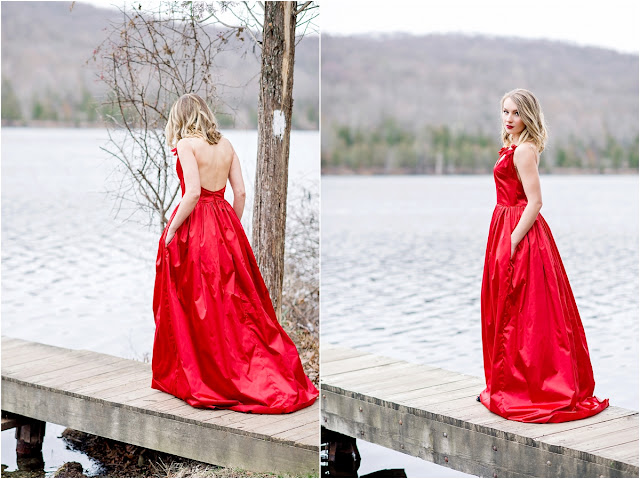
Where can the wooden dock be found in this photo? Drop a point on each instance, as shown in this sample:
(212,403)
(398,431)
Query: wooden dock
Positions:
(111,397)
(432,413)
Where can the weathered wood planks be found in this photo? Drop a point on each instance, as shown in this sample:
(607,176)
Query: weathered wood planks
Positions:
(111,397)
(431,413)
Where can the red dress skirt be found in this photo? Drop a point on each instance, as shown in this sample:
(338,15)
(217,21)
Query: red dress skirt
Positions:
(536,360)
(218,343)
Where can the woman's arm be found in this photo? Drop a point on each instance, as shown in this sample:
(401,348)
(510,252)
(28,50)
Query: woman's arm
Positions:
(191,187)
(525,160)
(237,185)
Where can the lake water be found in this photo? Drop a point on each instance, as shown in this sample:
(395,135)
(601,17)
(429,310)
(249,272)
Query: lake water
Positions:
(72,274)
(402,260)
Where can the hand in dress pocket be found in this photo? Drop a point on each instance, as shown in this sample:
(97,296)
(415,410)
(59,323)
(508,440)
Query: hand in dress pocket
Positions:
(169,238)
(513,249)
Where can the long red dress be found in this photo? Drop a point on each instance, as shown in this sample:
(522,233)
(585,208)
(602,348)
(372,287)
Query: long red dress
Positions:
(536,360)
(218,343)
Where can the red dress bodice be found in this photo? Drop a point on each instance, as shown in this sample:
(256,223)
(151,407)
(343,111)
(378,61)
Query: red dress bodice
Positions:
(205,194)
(509,190)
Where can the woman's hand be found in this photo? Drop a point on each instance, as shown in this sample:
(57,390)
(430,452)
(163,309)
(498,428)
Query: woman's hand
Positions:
(514,245)
(169,237)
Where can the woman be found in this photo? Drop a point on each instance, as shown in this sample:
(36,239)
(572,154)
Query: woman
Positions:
(536,360)
(217,343)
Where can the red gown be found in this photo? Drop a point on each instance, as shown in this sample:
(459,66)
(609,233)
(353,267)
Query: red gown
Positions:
(217,342)
(536,360)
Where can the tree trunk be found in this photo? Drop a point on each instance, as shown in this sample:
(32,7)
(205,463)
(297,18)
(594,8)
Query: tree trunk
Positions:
(274,128)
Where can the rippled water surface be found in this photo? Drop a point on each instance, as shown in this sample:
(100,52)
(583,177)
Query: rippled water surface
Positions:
(402,261)
(72,275)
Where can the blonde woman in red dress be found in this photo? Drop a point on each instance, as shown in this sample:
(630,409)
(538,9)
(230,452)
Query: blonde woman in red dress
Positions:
(217,343)
(536,359)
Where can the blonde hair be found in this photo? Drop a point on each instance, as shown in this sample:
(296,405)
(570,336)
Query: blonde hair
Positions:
(535,128)
(190,116)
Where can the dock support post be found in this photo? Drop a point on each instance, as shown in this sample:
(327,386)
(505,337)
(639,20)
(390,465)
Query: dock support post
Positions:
(343,457)
(29,437)
(30,434)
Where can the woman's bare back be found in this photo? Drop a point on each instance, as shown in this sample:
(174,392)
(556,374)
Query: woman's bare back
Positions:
(214,162)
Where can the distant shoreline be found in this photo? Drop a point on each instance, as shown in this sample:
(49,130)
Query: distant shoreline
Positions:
(337,171)
(51,124)
(88,125)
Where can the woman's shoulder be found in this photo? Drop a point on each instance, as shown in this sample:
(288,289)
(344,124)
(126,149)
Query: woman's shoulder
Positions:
(186,141)
(530,145)
(526,151)
(197,142)
(226,144)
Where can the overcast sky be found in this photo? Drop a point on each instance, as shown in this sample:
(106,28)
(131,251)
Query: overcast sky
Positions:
(604,23)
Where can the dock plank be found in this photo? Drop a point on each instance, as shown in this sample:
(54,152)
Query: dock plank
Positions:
(586,433)
(98,385)
(355,364)
(435,378)
(85,369)
(336,353)
(298,433)
(627,451)
(598,444)
(43,363)
(539,431)
(112,397)
(384,374)
(429,416)
(408,395)
(112,375)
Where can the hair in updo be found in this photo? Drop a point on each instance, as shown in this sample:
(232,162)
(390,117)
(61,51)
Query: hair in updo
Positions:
(535,128)
(190,116)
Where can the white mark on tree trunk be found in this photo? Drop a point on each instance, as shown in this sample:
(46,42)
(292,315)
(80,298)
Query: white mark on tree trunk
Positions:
(279,123)
(288,14)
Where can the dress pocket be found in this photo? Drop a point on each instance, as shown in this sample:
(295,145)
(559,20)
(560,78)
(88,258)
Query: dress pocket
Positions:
(515,252)
(173,240)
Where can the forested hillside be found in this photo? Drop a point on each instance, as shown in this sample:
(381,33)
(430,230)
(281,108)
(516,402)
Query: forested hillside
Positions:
(403,103)
(45,77)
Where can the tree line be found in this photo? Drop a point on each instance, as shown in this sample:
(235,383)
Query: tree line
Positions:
(390,148)
(53,106)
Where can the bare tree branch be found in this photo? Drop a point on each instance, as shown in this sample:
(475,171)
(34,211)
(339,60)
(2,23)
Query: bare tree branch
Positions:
(147,61)
(250,11)
(303,7)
